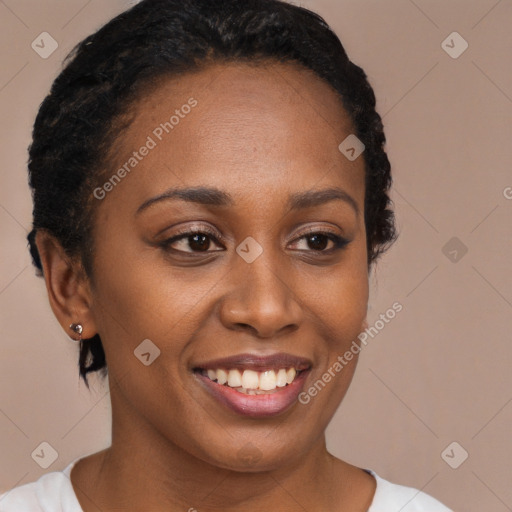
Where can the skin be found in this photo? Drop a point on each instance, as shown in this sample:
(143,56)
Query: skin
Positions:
(259,133)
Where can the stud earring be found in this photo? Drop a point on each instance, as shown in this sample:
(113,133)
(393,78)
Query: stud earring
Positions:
(77,328)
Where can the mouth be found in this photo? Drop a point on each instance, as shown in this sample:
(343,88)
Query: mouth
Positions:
(255,385)
(251,382)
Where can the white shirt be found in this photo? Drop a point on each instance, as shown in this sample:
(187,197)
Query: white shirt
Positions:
(53,492)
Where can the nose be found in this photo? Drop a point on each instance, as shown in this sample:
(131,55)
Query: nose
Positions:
(261,300)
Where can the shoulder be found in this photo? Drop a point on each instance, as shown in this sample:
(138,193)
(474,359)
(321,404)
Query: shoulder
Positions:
(391,497)
(53,492)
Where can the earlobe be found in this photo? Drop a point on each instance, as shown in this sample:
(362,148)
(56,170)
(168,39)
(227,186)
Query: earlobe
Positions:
(67,285)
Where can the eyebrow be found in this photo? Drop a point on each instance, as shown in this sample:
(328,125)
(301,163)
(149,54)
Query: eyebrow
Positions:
(215,197)
(200,195)
(312,198)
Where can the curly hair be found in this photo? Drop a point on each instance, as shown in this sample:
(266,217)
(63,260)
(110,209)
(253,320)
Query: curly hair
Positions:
(105,73)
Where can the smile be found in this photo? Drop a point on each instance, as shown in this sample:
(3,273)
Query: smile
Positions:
(254,385)
(251,382)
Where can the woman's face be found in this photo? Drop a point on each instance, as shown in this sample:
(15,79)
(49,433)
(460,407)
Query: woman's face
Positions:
(245,160)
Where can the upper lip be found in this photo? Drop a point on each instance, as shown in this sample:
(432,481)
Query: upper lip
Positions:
(257,362)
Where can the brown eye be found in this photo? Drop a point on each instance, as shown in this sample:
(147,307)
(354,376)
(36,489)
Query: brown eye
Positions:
(319,242)
(192,242)
(198,242)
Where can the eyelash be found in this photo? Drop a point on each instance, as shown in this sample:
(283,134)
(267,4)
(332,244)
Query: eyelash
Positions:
(338,241)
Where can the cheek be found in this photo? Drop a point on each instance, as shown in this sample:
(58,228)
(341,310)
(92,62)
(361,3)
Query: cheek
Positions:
(138,299)
(146,320)
(340,298)
(341,306)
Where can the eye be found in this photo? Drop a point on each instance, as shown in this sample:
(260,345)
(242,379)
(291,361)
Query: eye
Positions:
(201,239)
(192,241)
(319,241)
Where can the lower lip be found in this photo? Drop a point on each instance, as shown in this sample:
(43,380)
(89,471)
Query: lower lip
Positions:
(256,406)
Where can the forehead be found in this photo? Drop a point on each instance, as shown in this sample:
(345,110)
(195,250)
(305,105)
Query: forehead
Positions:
(237,125)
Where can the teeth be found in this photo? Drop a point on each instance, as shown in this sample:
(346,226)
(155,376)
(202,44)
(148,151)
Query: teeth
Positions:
(250,379)
(251,382)
(281,378)
(268,380)
(234,379)
(222,376)
(255,391)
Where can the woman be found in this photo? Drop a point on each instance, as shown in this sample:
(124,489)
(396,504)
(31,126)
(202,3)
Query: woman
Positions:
(210,194)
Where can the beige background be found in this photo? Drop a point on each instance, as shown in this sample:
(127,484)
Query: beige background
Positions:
(440,371)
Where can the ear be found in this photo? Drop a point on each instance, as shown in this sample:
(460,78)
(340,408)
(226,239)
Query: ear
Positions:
(68,287)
